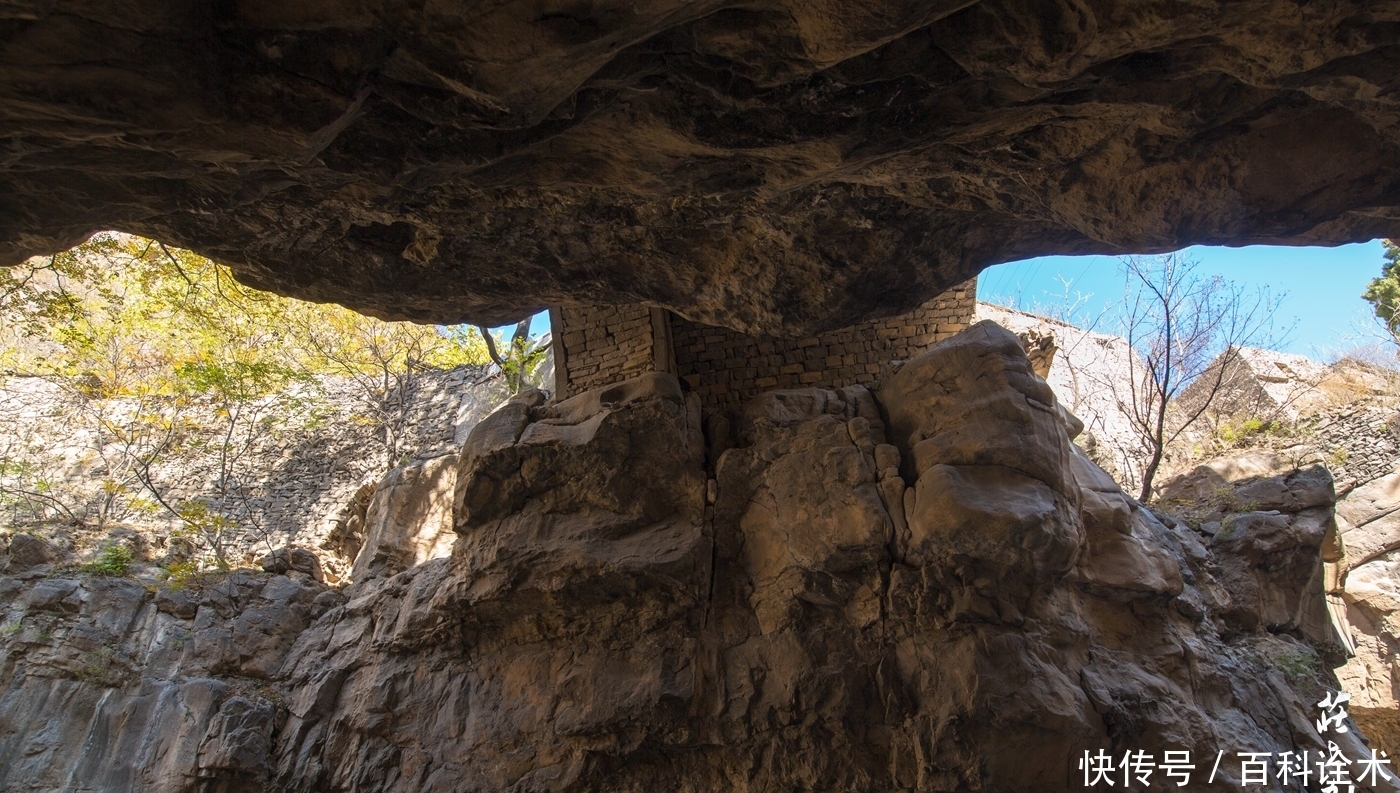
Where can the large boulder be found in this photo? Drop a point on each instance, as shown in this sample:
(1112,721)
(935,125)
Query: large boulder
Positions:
(27,551)
(1127,549)
(985,444)
(578,579)
(1273,533)
(408,519)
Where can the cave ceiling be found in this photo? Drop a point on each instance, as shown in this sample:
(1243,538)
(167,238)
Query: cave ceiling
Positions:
(776,167)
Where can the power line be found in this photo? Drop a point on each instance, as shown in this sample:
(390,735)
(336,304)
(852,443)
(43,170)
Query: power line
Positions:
(1034,274)
(1086,270)
(1006,274)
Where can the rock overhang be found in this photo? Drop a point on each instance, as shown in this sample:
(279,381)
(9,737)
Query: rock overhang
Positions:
(779,169)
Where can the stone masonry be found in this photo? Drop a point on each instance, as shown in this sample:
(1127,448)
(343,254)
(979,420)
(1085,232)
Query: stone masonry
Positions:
(609,344)
(726,368)
(605,344)
(290,484)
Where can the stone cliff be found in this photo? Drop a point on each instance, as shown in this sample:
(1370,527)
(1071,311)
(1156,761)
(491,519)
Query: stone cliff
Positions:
(924,587)
(778,167)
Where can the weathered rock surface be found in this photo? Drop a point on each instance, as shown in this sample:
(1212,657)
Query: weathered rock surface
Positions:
(107,687)
(1370,519)
(777,167)
(1254,516)
(1368,582)
(1251,501)
(922,589)
(408,519)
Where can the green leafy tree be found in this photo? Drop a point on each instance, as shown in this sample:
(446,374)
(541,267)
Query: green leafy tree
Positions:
(1384,293)
(520,358)
(166,353)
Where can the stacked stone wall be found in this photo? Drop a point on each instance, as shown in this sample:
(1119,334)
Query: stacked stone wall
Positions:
(606,344)
(726,367)
(288,484)
(1358,441)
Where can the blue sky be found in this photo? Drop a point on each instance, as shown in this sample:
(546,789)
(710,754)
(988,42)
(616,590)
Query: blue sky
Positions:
(1323,286)
(539,323)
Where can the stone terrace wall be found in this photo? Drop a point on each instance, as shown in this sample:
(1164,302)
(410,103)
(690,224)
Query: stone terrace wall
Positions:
(726,367)
(605,344)
(1358,441)
(289,486)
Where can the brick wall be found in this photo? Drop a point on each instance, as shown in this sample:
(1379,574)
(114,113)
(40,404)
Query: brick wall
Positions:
(605,344)
(726,367)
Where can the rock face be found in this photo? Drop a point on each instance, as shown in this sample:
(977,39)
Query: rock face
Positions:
(924,588)
(1370,570)
(110,688)
(408,519)
(780,167)
(1266,496)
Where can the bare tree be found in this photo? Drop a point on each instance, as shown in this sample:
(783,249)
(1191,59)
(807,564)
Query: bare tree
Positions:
(384,366)
(1187,329)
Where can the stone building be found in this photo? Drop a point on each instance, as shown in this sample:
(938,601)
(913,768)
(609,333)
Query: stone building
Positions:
(599,345)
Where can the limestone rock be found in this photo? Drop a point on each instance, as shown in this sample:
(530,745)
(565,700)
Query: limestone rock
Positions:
(1272,530)
(1369,601)
(108,687)
(236,743)
(776,168)
(1372,608)
(347,535)
(1371,515)
(611,618)
(655,455)
(800,509)
(974,400)
(993,516)
(298,560)
(1260,511)
(408,520)
(579,581)
(1125,553)
(989,456)
(1261,550)
(27,551)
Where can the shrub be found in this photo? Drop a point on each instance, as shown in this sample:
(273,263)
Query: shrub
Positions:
(179,575)
(1297,666)
(1227,528)
(114,560)
(1248,429)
